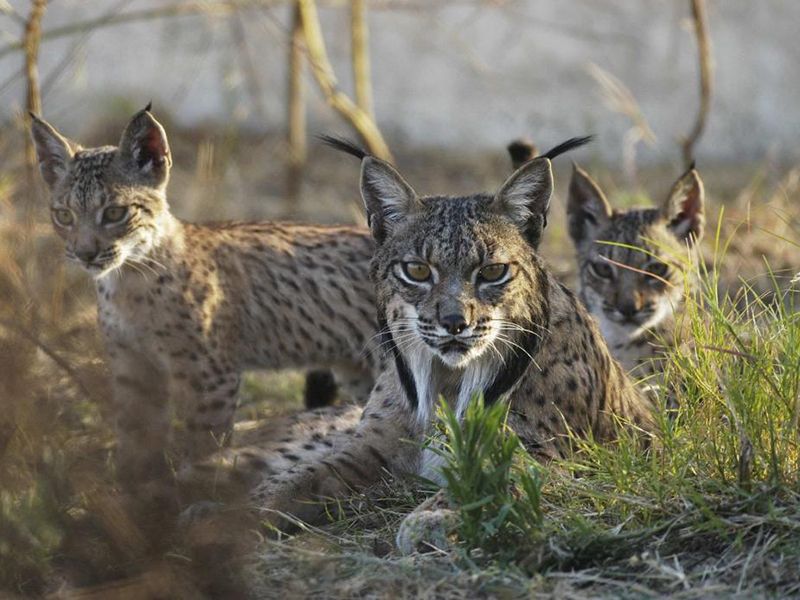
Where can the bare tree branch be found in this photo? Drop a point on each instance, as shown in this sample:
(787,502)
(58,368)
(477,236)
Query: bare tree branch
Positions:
(33,100)
(359,32)
(185,8)
(699,18)
(296,134)
(323,73)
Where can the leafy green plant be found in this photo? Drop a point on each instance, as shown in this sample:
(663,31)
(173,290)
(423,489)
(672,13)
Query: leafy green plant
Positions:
(494,484)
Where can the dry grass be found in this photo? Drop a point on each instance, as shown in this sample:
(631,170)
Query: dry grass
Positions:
(64,525)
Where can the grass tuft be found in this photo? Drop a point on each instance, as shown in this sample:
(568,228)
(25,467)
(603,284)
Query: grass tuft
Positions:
(492,480)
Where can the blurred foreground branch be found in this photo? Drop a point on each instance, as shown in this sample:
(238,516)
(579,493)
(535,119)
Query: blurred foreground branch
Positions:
(50,353)
(699,18)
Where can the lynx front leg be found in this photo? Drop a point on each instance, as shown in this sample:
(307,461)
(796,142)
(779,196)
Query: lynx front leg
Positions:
(142,415)
(204,397)
(385,441)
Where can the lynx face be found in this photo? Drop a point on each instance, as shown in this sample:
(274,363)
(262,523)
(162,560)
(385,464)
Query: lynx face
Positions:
(629,261)
(106,202)
(452,288)
(459,289)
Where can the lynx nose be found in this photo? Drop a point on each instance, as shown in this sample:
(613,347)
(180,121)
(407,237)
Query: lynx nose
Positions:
(454,324)
(87,255)
(628,309)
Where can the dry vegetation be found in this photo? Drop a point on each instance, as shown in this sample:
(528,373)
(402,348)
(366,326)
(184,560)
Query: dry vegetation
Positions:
(713,511)
(628,525)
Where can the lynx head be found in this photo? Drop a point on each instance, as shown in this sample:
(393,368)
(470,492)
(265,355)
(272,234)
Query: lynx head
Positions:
(107,202)
(460,289)
(636,279)
(455,274)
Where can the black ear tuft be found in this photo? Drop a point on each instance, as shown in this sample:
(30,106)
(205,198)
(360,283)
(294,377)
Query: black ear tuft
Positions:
(343,145)
(149,107)
(570,144)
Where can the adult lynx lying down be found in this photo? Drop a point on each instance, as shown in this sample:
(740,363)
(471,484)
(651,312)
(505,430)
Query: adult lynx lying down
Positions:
(466,306)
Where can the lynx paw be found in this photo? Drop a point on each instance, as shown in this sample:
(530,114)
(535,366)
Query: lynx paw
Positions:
(429,527)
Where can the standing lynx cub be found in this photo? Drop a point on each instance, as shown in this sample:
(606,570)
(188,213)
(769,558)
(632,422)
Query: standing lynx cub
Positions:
(185,308)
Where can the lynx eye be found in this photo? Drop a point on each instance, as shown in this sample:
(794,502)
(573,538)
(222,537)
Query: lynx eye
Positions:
(417,271)
(63,217)
(601,269)
(114,214)
(492,273)
(659,269)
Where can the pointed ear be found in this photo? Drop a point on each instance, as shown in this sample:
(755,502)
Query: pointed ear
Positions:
(53,151)
(525,197)
(684,209)
(388,199)
(588,211)
(144,151)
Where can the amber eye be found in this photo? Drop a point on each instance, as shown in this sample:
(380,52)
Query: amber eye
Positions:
(493,272)
(601,269)
(659,269)
(63,217)
(417,271)
(114,214)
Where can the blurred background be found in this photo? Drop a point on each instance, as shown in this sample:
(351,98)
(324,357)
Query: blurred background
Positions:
(460,75)
(439,87)
(243,86)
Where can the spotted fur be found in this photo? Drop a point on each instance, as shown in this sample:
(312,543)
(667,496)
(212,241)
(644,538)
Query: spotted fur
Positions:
(515,334)
(632,266)
(186,308)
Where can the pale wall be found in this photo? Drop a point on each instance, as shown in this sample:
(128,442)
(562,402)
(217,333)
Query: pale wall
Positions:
(459,73)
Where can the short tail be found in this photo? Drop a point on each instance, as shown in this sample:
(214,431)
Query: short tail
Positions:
(570,144)
(521,151)
(343,145)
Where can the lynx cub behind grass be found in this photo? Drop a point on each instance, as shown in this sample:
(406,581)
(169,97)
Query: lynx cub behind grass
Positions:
(467,306)
(185,308)
(632,266)
(632,263)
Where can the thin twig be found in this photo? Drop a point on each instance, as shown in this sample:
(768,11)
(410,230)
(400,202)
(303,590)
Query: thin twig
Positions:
(253,79)
(704,58)
(183,9)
